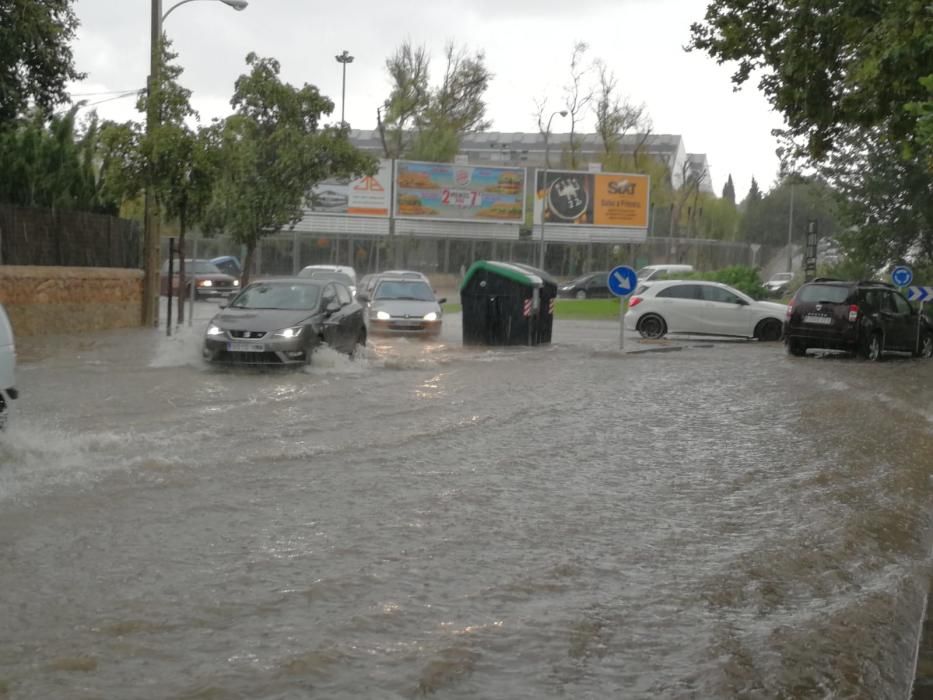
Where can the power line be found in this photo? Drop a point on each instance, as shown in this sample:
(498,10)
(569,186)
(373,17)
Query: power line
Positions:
(102,92)
(130,93)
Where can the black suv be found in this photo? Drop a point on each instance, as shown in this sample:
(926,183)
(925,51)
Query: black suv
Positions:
(869,318)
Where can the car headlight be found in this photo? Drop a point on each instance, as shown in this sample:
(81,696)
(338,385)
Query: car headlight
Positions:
(383,315)
(236,283)
(293,332)
(431,316)
(205,283)
(214,330)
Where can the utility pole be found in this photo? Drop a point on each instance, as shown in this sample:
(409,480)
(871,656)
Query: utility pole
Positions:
(790,232)
(151,235)
(547,143)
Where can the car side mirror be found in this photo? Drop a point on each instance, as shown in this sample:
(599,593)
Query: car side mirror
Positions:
(742,302)
(222,305)
(442,300)
(362,296)
(332,306)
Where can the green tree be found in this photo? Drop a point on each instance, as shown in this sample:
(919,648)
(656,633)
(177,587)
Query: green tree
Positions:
(750,227)
(408,70)
(728,190)
(172,158)
(828,67)
(427,123)
(273,149)
(36,62)
(52,163)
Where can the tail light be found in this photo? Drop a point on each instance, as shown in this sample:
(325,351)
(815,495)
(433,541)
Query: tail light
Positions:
(633,302)
(790,309)
(853,313)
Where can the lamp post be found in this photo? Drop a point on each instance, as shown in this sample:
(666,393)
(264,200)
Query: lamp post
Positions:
(151,236)
(547,143)
(344,59)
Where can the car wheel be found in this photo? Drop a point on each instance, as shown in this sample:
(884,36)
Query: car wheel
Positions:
(926,346)
(360,343)
(651,326)
(796,347)
(873,347)
(581,294)
(769,330)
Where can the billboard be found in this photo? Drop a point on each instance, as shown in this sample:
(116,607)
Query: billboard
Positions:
(365,196)
(452,192)
(592,199)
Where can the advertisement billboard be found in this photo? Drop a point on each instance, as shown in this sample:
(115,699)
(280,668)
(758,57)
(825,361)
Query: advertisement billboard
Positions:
(365,196)
(592,199)
(453,192)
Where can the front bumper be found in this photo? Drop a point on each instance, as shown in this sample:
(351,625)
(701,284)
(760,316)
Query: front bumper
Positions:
(266,351)
(405,326)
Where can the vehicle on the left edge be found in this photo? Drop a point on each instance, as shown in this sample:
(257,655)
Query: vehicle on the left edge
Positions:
(7,366)
(694,307)
(202,277)
(283,321)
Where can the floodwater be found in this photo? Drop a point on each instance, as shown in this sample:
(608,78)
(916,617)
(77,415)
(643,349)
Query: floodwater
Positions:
(432,520)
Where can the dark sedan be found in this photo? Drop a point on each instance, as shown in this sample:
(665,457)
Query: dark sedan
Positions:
(594,284)
(202,276)
(283,321)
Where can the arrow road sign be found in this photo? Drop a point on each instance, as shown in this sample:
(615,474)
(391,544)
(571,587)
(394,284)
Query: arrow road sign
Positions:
(622,280)
(920,294)
(902,276)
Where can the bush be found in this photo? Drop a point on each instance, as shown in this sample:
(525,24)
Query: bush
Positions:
(743,278)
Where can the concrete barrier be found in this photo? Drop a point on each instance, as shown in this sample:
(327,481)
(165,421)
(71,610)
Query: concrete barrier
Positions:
(52,300)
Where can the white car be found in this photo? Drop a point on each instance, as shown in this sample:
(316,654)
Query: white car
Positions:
(337,273)
(7,365)
(702,308)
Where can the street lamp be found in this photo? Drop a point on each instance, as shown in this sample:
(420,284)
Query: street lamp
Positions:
(547,143)
(343,58)
(151,237)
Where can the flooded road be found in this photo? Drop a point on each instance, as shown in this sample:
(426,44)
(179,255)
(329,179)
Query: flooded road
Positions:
(432,520)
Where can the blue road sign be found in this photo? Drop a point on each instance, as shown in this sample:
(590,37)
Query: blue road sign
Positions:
(622,280)
(902,276)
(920,294)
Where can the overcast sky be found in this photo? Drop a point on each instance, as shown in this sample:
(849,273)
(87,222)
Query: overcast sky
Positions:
(527,45)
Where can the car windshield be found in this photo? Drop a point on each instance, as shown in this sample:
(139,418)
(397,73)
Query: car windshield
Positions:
(413,290)
(194,267)
(277,295)
(823,293)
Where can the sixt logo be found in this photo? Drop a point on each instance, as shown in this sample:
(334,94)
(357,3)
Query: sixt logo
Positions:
(622,187)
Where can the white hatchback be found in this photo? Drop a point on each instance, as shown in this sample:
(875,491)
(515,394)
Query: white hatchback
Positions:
(695,307)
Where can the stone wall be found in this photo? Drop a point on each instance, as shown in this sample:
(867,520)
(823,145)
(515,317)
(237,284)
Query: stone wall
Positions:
(51,300)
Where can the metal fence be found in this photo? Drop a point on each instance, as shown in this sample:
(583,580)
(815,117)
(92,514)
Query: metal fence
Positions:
(64,237)
(286,253)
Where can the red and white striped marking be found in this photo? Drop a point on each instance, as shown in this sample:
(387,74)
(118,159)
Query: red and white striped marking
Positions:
(550,306)
(527,310)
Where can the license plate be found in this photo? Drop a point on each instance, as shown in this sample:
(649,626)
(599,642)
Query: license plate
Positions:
(818,320)
(246,347)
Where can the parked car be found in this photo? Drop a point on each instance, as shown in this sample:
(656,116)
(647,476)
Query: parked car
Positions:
(656,273)
(869,318)
(203,277)
(779,283)
(701,308)
(405,306)
(341,273)
(229,265)
(594,284)
(283,321)
(8,390)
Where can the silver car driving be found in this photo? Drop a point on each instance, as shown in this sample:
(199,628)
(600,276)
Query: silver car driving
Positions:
(403,306)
